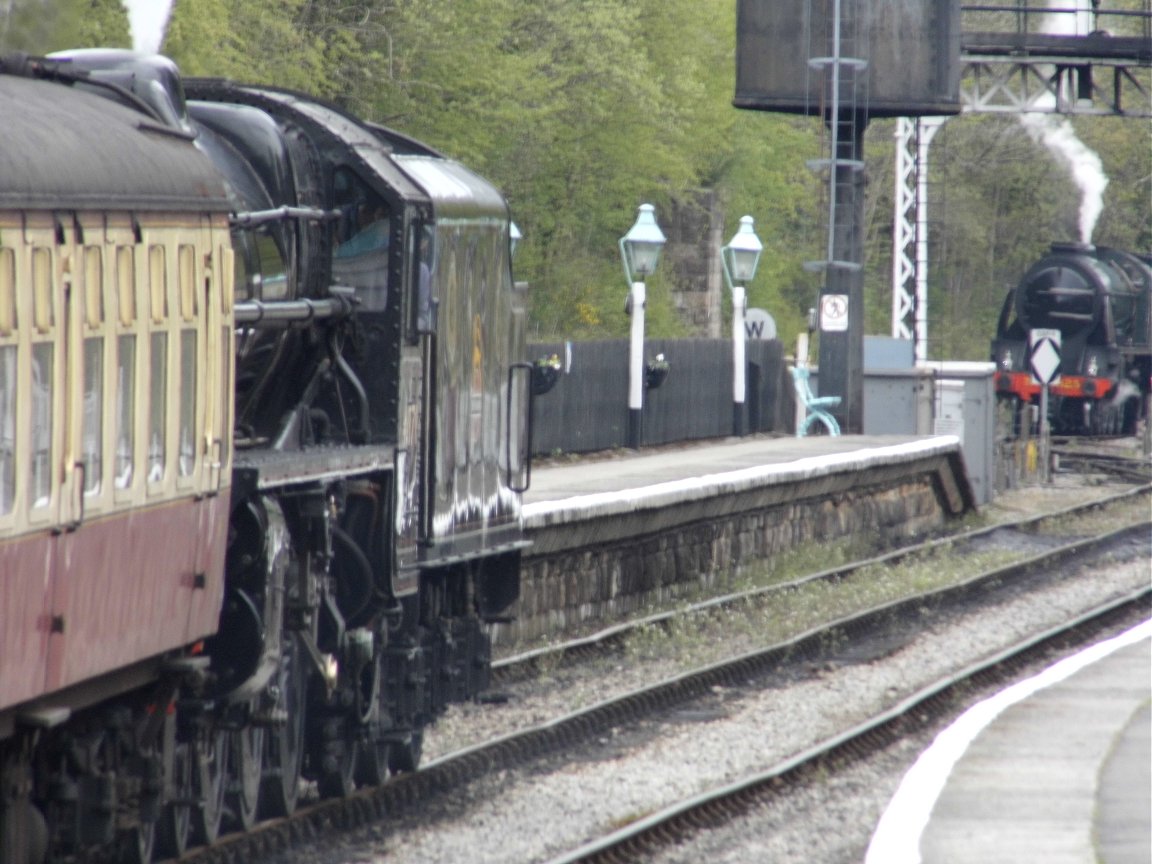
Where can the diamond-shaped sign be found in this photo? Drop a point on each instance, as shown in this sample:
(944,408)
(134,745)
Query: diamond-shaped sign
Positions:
(1044,354)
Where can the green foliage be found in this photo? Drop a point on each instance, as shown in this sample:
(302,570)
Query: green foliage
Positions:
(247,40)
(44,26)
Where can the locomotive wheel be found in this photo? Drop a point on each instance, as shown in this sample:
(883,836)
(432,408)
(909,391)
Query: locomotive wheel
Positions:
(245,764)
(175,826)
(209,783)
(284,746)
(1131,417)
(338,777)
(372,751)
(373,756)
(405,757)
(138,845)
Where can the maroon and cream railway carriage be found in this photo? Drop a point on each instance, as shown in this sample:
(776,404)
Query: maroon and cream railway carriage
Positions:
(115,401)
(263,430)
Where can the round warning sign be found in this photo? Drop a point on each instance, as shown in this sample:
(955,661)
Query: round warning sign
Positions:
(834,313)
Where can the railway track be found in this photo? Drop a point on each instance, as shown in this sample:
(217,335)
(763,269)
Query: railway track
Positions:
(1084,459)
(941,699)
(408,793)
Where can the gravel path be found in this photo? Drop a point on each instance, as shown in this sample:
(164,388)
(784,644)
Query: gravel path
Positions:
(537,813)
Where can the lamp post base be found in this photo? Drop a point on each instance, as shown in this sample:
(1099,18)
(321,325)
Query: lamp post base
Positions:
(737,418)
(634,428)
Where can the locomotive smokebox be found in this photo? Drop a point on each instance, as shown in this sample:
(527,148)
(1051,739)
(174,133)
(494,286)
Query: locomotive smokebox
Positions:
(911,47)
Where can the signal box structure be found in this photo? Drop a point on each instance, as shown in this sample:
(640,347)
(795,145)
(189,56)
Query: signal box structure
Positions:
(912,48)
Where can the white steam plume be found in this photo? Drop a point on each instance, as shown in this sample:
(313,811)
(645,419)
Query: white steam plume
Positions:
(1056,133)
(147,20)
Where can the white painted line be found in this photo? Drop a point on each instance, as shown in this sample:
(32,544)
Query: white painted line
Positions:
(897,836)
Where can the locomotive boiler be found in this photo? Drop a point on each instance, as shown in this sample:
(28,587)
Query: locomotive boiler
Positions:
(1098,298)
(263,434)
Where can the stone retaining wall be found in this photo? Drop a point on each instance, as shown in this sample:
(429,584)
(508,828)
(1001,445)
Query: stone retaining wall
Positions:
(593,574)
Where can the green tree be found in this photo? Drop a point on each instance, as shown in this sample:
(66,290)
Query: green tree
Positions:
(43,26)
(247,40)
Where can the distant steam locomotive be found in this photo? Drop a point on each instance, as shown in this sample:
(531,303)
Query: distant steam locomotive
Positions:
(1098,298)
(263,433)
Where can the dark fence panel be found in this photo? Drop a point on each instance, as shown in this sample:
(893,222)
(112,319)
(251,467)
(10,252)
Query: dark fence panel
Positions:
(587,409)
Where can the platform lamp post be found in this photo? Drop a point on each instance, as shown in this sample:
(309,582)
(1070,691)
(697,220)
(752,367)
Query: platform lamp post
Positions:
(740,258)
(640,252)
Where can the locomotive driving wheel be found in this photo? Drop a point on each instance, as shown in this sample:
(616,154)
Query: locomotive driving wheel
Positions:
(175,827)
(138,844)
(284,746)
(209,760)
(373,750)
(245,767)
(337,752)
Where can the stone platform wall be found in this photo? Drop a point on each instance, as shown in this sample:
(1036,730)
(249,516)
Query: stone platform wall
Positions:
(598,570)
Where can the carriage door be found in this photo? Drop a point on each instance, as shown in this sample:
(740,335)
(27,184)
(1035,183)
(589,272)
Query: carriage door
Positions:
(207,364)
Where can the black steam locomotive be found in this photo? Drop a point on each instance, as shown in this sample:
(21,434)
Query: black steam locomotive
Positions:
(263,434)
(1098,299)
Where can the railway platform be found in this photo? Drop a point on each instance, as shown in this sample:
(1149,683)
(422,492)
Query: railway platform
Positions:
(634,529)
(591,485)
(1055,769)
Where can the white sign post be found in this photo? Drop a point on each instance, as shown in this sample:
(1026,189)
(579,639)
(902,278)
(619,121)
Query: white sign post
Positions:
(1044,360)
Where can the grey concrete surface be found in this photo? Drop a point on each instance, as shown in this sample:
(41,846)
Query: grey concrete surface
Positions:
(1062,777)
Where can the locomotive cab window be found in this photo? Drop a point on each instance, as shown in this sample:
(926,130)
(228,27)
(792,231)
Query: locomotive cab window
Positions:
(363,234)
(423,304)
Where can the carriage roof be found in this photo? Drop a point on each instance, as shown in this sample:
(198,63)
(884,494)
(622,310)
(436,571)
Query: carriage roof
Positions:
(62,148)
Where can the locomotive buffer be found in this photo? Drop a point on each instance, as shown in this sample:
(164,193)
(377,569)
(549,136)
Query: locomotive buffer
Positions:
(1044,361)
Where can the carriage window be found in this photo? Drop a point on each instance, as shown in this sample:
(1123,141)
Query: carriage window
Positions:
(93,286)
(92,438)
(125,411)
(126,284)
(158,407)
(158,283)
(187,454)
(43,315)
(7,428)
(7,292)
(41,474)
(187,286)
(228,286)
